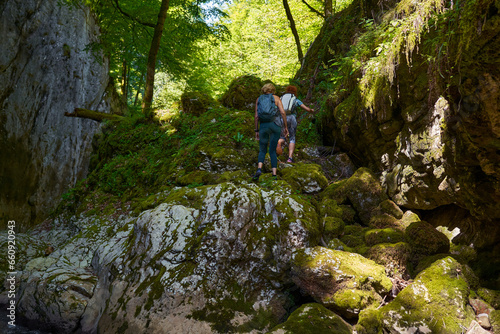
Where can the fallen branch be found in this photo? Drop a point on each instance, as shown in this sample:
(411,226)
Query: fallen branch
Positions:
(93,115)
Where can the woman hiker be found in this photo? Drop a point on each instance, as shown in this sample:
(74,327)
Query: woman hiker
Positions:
(291,103)
(268,133)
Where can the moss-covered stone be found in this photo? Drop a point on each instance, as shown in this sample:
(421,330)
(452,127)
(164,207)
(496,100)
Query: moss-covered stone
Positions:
(330,276)
(408,218)
(339,245)
(242,93)
(330,208)
(353,237)
(424,239)
(196,103)
(363,190)
(332,227)
(196,178)
(349,302)
(392,256)
(390,208)
(495,321)
(305,178)
(314,319)
(384,221)
(436,302)
(492,297)
(466,253)
(387,235)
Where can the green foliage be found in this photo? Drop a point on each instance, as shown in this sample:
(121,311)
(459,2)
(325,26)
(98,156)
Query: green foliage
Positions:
(136,157)
(439,31)
(261,43)
(127,29)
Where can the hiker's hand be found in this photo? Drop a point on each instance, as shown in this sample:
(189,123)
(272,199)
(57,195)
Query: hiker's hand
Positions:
(257,136)
(286,132)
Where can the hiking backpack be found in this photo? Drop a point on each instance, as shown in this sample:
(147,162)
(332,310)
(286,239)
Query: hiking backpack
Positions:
(288,101)
(266,108)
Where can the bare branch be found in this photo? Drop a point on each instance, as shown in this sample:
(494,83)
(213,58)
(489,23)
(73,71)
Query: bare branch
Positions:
(132,17)
(312,9)
(92,114)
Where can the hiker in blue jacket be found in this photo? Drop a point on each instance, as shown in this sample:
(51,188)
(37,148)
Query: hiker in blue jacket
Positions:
(270,120)
(290,103)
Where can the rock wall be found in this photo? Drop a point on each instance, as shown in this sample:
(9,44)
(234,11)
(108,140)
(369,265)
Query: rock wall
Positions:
(432,136)
(44,72)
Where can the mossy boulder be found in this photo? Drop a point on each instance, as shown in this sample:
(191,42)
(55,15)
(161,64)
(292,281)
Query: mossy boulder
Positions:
(492,297)
(379,236)
(306,178)
(436,302)
(313,318)
(424,239)
(390,208)
(345,282)
(354,238)
(338,245)
(196,103)
(384,221)
(217,249)
(341,166)
(330,208)
(198,177)
(242,93)
(495,321)
(332,227)
(408,218)
(395,257)
(362,190)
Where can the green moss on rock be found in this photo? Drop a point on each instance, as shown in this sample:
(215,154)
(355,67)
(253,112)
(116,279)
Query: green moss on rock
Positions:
(313,319)
(425,239)
(242,93)
(362,190)
(384,221)
(436,302)
(387,235)
(332,227)
(330,208)
(395,257)
(495,321)
(325,273)
(196,103)
(492,297)
(339,245)
(390,208)
(306,178)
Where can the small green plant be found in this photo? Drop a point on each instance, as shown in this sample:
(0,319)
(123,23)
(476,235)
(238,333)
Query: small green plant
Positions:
(239,138)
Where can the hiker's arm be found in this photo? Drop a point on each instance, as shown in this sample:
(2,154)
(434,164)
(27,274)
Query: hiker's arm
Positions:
(283,113)
(303,106)
(256,120)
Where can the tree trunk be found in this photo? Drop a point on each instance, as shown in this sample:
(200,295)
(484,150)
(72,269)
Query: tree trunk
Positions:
(294,29)
(328,8)
(153,52)
(93,115)
(124,83)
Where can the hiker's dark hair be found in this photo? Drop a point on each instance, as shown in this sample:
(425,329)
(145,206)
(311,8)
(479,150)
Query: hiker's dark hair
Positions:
(291,89)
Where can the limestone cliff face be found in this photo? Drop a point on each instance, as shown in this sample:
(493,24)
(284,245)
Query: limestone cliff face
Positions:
(433,133)
(44,72)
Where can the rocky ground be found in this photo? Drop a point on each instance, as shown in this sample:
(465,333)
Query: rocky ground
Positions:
(302,253)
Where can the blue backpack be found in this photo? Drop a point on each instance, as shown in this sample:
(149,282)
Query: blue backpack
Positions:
(266,108)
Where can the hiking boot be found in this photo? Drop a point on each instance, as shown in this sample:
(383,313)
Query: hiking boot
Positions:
(274,177)
(257,174)
(290,160)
